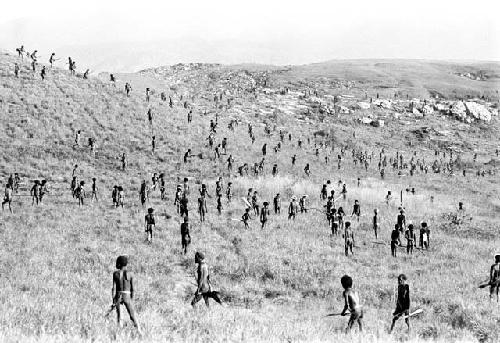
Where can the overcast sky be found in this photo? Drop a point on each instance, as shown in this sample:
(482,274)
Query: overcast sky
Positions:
(300,31)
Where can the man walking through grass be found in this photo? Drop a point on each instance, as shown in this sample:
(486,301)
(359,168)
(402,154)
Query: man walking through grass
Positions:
(352,304)
(402,303)
(293,208)
(204,287)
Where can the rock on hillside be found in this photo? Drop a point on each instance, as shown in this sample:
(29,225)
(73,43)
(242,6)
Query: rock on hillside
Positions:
(477,111)
(470,111)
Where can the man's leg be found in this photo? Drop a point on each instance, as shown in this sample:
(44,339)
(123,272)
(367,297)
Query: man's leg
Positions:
(196,298)
(118,314)
(350,323)
(215,296)
(394,319)
(360,323)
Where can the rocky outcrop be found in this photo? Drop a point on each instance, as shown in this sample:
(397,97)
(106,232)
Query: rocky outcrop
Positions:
(477,111)
(458,110)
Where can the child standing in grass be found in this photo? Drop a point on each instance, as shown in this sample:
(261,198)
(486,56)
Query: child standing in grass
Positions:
(402,302)
(351,303)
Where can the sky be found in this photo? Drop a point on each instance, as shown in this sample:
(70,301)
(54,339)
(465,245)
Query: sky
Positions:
(271,31)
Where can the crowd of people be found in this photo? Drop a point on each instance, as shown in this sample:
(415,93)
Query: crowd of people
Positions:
(332,201)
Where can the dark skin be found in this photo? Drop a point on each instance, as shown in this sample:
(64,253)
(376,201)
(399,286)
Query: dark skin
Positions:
(396,314)
(495,269)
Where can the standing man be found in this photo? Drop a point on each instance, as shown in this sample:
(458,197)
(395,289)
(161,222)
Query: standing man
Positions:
(292,208)
(8,197)
(348,239)
(411,239)
(185,236)
(52,59)
(376,223)
(356,209)
(495,277)
(264,213)
(95,189)
(80,193)
(143,192)
(395,240)
(401,220)
(277,204)
(123,291)
(35,193)
(149,220)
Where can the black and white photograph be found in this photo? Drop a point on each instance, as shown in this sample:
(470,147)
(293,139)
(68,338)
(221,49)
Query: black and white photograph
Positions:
(250,171)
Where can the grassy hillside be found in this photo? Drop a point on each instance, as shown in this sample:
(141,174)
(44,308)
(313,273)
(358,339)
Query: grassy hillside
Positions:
(278,283)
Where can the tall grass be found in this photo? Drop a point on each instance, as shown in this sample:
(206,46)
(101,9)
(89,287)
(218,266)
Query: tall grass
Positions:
(277,284)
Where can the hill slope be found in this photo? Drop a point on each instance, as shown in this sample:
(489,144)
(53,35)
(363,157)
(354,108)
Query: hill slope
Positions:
(277,283)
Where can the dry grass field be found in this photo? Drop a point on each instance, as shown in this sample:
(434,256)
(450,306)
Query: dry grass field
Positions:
(278,284)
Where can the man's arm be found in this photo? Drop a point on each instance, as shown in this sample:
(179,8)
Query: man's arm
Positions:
(113,290)
(198,281)
(131,287)
(346,306)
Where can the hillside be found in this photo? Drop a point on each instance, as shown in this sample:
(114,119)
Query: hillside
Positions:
(277,283)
